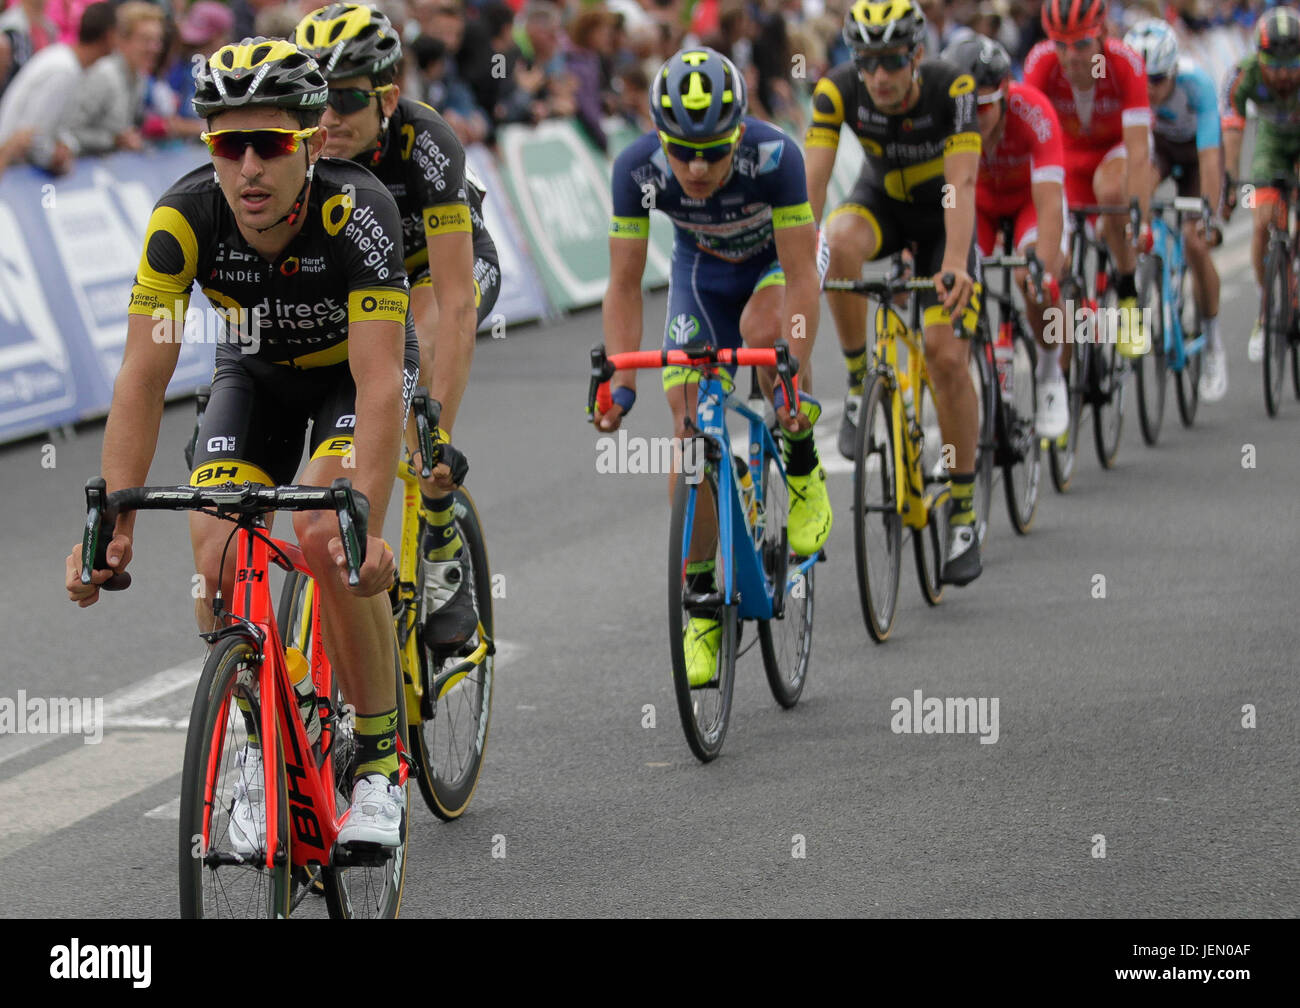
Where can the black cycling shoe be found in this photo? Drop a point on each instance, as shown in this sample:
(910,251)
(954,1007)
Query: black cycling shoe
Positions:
(449,615)
(963,563)
(848,439)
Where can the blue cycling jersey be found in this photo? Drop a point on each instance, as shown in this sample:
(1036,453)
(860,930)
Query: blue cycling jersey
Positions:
(766,190)
(1192,111)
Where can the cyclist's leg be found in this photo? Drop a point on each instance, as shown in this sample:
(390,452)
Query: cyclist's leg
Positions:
(1274,158)
(1185,159)
(1052,409)
(761,323)
(1110,183)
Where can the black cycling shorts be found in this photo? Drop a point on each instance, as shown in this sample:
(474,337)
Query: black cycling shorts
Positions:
(258,413)
(1182,161)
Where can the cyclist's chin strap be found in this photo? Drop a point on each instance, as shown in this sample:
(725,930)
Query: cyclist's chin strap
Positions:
(381,142)
(296,209)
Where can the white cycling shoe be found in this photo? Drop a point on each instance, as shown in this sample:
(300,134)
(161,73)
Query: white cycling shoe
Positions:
(247,830)
(378,809)
(1214,375)
(1052,415)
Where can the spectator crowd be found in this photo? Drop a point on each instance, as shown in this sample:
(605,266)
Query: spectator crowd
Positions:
(79,78)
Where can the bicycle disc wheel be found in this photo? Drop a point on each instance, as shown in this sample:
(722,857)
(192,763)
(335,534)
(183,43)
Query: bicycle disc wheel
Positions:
(786,638)
(1277,326)
(215,879)
(1187,382)
(930,543)
(1152,369)
(704,710)
(877,525)
(1017,439)
(1107,384)
(449,745)
(372,890)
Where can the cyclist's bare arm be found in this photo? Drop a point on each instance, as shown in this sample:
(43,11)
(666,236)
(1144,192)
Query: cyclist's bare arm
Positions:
(1137,140)
(131,434)
(454,317)
(375,348)
(796,249)
(621,312)
(819,164)
(960,170)
(1051,223)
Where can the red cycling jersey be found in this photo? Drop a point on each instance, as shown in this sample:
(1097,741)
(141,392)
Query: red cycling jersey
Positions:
(1092,122)
(1030,151)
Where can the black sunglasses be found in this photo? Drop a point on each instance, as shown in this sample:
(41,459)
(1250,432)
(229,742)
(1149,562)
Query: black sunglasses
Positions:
(890,61)
(1155,80)
(347,100)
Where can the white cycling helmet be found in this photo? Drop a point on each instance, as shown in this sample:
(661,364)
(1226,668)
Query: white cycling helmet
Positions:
(1156,43)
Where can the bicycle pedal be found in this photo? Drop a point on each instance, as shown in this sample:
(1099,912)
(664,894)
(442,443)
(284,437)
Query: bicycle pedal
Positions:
(360,854)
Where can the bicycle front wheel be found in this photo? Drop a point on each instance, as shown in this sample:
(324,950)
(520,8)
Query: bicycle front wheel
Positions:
(786,638)
(929,544)
(223,870)
(1019,446)
(1107,385)
(1064,452)
(1152,369)
(370,890)
(705,710)
(452,736)
(1277,326)
(877,525)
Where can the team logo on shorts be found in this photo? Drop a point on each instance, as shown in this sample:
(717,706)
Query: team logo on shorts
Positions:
(683,328)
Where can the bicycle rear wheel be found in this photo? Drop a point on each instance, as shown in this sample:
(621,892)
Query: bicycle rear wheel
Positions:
(786,638)
(1107,385)
(215,879)
(1277,325)
(1017,440)
(929,543)
(877,525)
(704,710)
(371,890)
(1152,370)
(452,737)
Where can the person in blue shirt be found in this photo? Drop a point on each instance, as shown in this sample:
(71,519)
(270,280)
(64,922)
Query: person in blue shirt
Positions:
(744,270)
(1188,147)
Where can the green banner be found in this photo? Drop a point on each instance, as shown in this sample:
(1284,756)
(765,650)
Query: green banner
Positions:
(560,187)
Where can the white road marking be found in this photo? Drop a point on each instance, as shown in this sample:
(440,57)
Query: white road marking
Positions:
(81,783)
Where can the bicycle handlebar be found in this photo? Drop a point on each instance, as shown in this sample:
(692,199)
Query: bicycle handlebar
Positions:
(103,509)
(604,365)
(886,288)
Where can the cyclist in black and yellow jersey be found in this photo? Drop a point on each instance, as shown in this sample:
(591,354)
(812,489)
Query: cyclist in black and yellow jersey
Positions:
(302,258)
(917,126)
(450,257)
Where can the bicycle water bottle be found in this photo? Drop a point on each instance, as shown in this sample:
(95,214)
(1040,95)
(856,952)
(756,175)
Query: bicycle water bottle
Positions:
(1004,357)
(748,496)
(300,676)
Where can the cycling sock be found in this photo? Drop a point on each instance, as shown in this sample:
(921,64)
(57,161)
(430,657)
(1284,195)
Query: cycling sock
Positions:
(856,362)
(801,449)
(376,736)
(1126,286)
(250,723)
(1049,363)
(444,542)
(1211,329)
(963,499)
(699,577)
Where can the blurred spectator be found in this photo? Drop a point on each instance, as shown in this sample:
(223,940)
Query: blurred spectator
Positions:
(446,92)
(108,112)
(538,87)
(279,21)
(206,27)
(591,46)
(941,28)
(468,45)
(66,15)
(245,13)
(24,31)
(632,98)
(35,104)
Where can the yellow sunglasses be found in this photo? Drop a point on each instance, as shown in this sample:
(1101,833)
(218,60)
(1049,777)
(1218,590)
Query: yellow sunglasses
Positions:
(714,150)
(266,143)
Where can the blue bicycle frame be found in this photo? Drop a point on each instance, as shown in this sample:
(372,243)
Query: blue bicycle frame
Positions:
(1168,243)
(744,582)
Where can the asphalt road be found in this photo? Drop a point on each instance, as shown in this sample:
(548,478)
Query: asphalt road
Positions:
(1119,717)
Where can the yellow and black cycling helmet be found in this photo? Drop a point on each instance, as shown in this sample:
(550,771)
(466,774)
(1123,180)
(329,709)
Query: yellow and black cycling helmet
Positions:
(883,25)
(259,71)
(349,40)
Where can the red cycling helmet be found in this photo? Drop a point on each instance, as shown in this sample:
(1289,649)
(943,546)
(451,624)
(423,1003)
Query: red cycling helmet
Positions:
(1072,20)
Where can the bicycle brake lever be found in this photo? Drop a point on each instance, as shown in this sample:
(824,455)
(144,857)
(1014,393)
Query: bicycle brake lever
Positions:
(101,522)
(353,511)
(601,372)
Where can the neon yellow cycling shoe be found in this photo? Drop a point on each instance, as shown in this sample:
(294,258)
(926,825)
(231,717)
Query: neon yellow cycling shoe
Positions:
(701,641)
(1131,339)
(809,524)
